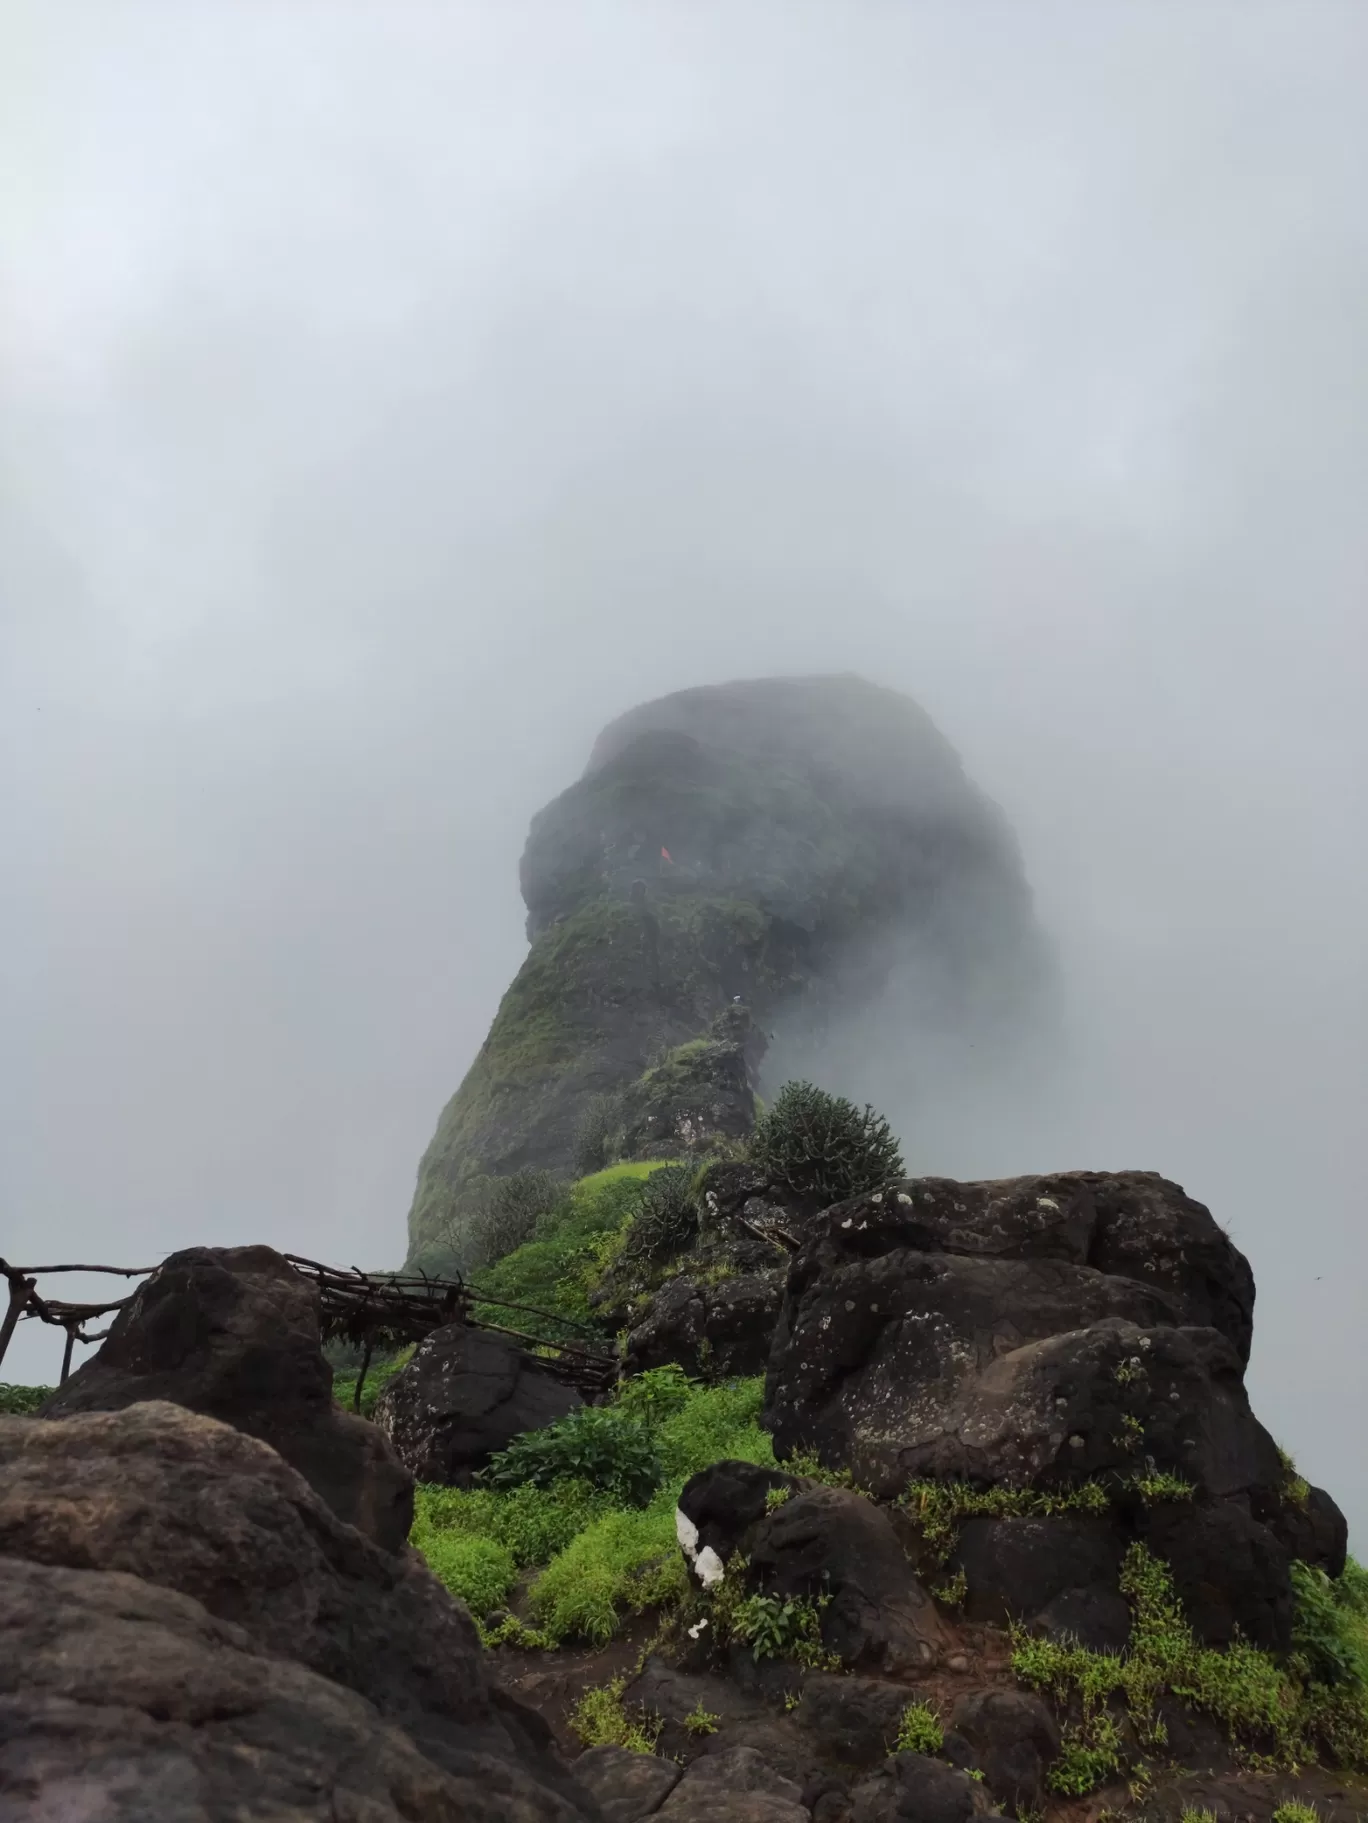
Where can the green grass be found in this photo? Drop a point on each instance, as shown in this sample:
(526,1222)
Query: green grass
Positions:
(600,1561)
(556,1269)
(1281,1712)
(919,1730)
(378,1374)
(21,1401)
(601,1719)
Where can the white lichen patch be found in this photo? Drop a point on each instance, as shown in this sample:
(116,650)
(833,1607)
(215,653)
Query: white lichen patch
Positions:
(709,1567)
(687,1534)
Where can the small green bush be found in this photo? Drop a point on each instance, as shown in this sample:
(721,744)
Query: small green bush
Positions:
(532,1523)
(596,1133)
(1294,1812)
(791,1629)
(477,1570)
(601,1445)
(378,1375)
(601,1719)
(919,1730)
(21,1401)
(823,1146)
(1331,1625)
(625,1562)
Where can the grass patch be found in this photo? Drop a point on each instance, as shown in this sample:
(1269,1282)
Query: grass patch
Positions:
(570,1251)
(604,1558)
(1282,1712)
(940,1508)
(919,1730)
(601,1719)
(378,1376)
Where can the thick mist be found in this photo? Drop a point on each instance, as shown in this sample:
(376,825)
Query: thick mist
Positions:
(389,397)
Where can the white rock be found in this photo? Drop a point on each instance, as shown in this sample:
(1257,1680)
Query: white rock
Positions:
(709,1567)
(687,1534)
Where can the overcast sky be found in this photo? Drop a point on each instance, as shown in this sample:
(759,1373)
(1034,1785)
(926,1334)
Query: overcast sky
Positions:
(389,395)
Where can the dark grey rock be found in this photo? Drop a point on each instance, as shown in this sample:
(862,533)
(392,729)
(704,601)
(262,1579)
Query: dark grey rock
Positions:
(233,1332)
(465,1394)
(914,1789)
(715,1331)
(1014,1737)
(628,1787)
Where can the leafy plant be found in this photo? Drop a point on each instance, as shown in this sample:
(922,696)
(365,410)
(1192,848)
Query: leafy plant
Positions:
(1331,1625)
(919,1730)
(21,1401)
(941,1507)
(792,1628)
(953,1591)
(1292,1811)
(655,1395)
(601,1445)
(777,1497)
(601,1719)
(823,1146)
(701,1721)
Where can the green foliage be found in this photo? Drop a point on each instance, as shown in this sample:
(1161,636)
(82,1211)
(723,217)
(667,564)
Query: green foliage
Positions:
(601,1445)
(777,1497)
(701,1721)
(1279,1711)
(1295,1488)
(497,1214)
(601,1719)
(555,1270)
(477,1570)
(792,1629)
(1293,1812)
(953,1590)
(21,1401)
(604,1558)
(1155,1485)
(823,1145)
(596,1133)
(665,1221)
(1331,1627)
(808,1465)
(941,1507)
(919,1730)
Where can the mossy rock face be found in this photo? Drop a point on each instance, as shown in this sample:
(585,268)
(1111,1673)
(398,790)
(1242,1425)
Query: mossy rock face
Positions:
(777,843)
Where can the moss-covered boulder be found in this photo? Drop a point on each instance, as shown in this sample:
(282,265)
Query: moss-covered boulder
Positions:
(781,842)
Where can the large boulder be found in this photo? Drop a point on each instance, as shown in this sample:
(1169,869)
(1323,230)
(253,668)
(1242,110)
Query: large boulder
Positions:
(233,1332)
(125,1702)
(815,1542)
(464,1394)
(911,1788)
(1033,1334)
(716,1329)
(158,1493)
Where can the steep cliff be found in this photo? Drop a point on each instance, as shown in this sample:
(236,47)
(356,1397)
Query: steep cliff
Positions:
(782,842)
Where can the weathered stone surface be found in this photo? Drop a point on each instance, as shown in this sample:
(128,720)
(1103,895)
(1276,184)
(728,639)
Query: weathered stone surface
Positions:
(129,1703)
(1017,1566)
(233,1332)
(734,1785)
(160,1493)
(725,1501)
(1230,1572)
(914,1789)
(1095,1616)
(628,1787)
(465,1394)
(713,1331)
(853,1719)
(1014,1737)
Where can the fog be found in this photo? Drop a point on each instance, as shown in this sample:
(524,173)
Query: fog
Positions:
(391,395)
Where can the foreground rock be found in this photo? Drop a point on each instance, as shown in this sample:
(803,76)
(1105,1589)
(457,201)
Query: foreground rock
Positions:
(714,1331)
(128,1703)
(233,1332)
(1037,1333)
(465,1394)
(156,1495)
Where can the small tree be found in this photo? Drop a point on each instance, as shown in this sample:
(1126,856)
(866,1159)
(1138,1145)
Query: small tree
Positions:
(666,1220)
(596,1130)
(497,1214)
(822,1145)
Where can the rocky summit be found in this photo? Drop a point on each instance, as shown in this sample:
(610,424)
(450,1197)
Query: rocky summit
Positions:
(783,845)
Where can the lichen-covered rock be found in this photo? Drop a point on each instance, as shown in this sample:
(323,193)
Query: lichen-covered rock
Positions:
(734,1785)
(715,1330)
(699,1095)
(911,1788)
(627,1786)
(464,1394)
(1013,1739)
(1039,1333)
(787,841)
(233,1332)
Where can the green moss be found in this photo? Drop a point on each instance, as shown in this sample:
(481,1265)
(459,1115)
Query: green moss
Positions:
(22,1401)
(941,1507)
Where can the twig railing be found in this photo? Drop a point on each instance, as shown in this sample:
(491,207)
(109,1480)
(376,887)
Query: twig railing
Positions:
(367,1309)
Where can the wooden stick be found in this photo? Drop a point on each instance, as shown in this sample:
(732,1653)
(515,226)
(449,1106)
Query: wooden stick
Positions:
(66,1355)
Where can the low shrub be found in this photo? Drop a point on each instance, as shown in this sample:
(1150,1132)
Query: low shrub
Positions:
(22,1401)
(378,1375)
(1331,1625)
(665,1221)
(790,1629)
(601,1719)
(604,1446)
(823,1146)
(919,1730)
